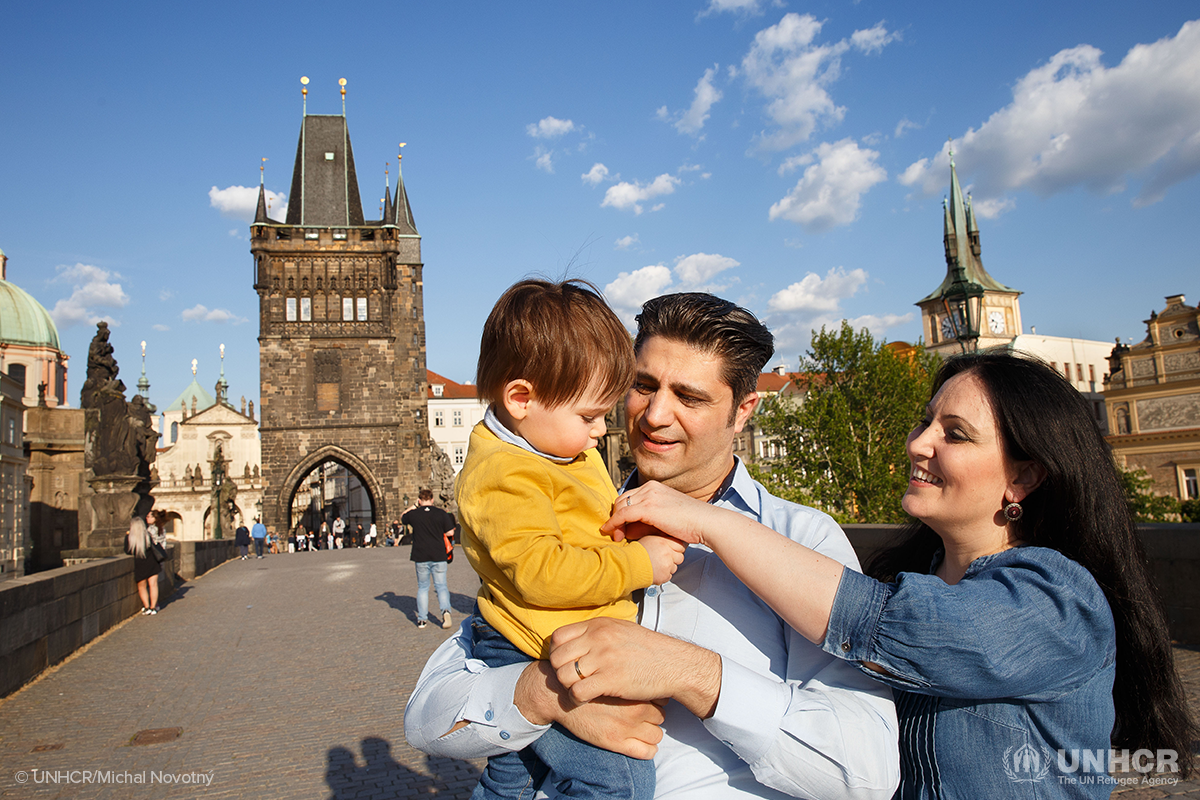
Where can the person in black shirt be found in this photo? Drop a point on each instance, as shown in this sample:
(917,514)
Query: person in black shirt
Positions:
(432,531)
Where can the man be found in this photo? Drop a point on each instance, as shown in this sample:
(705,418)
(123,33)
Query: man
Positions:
(259,533)
(757,711)
(431,527)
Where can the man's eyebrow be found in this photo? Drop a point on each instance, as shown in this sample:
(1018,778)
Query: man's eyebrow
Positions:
(691,391)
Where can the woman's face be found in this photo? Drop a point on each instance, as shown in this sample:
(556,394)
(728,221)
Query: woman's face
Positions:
(151,518)
(959,472)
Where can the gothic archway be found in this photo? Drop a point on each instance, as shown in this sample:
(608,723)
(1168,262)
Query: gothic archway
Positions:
(325,492)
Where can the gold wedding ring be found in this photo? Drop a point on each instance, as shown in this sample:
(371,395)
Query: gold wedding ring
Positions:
(577,670)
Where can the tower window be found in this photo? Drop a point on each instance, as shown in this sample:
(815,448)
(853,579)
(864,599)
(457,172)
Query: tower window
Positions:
(291,309)
(305,309)
(347,309)
(362,309)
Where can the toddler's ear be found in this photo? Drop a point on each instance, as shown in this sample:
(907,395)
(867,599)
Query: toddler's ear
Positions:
(516,397)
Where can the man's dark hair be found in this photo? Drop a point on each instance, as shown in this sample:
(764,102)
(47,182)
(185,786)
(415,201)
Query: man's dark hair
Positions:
(715,326)
(425,494)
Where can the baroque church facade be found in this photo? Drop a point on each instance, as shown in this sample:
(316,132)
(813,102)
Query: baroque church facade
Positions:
(341,334)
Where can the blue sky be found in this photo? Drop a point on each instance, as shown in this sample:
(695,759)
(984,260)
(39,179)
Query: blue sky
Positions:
(790,156)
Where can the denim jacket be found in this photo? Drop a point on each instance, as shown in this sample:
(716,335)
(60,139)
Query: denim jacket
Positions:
(1000,680)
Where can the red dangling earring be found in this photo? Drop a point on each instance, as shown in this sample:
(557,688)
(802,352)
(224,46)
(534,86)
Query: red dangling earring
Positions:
(1013,512)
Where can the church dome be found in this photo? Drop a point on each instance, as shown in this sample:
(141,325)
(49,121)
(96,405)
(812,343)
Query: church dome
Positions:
(24,320)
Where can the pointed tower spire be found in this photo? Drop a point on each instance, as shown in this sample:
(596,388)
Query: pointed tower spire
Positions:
(387,196)
(260,215)
(402,216)
(222,384)
(961,238)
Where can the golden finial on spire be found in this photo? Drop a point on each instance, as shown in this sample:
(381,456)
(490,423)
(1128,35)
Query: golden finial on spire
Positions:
(401,153)
(342,83)
(261,172)
(194,367)
(304,91)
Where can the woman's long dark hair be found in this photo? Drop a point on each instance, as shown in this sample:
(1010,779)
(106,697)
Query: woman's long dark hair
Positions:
(1079,510)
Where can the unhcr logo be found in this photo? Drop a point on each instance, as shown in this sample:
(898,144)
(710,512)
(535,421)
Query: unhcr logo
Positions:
(1027,764)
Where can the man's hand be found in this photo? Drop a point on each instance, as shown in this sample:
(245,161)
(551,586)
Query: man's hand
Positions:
(666,554)
(623,726)
(622,659)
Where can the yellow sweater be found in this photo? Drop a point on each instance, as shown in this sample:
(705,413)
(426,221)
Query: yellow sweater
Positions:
(531,529)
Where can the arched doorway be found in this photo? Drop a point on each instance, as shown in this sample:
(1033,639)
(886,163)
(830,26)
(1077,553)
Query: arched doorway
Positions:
(329,490)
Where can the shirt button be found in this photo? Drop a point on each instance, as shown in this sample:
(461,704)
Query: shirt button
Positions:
(652,591)
(846,646)
(503,734)
(488,715)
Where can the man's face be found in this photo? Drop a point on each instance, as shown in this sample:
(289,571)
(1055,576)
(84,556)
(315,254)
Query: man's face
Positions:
(678,416)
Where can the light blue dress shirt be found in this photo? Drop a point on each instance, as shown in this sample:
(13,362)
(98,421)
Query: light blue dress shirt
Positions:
(791,720)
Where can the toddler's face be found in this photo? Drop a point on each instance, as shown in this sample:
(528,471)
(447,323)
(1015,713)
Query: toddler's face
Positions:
(566,430)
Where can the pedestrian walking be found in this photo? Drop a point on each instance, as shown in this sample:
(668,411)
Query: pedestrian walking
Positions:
(431,528)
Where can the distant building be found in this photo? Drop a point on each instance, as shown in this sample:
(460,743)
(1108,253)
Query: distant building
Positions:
(993,310)
(14,484)
(195,427)
(341,338)
(1152,396)
(29,348)
(454,408)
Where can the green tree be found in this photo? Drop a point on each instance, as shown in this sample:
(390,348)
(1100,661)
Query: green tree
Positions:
(1147,506)
(844,440)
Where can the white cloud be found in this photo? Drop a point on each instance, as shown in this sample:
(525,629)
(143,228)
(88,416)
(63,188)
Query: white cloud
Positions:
(691,122)
(550,128)
(160,327)
(744,7)
(691,273)
(903,125)
(792,72)
(165,294)
(702,267)
(542,159)
(626,242)
(631,195)
(817,294)
(990,209)
(1075,123)
(200,313)
(830,191)
(597,174)
(92,288)
(241,202)
(877,324)
(629,290)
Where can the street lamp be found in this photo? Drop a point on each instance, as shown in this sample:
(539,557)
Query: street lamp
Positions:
(961,302)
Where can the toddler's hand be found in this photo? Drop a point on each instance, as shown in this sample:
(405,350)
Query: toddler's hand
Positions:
(666,554)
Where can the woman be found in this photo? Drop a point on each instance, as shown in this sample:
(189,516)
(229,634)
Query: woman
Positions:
(1016,622)
(145,566)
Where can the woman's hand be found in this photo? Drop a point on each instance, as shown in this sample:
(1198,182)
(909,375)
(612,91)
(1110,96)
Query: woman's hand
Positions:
(652,507)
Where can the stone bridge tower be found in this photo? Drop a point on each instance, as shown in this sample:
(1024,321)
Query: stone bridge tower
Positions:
(341,333)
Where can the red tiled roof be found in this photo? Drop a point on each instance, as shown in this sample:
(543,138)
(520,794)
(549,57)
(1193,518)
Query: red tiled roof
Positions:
(450,389)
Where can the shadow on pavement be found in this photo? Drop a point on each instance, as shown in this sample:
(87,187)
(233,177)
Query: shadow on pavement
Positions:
(407,606)
(382,775)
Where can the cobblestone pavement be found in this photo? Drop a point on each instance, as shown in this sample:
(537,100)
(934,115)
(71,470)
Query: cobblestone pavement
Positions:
(287,677)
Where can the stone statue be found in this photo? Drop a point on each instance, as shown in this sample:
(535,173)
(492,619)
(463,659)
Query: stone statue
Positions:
(441,479)
(119,447)
(224,495)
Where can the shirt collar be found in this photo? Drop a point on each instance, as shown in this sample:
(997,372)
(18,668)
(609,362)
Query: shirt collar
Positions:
(737,489)
(494,425)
